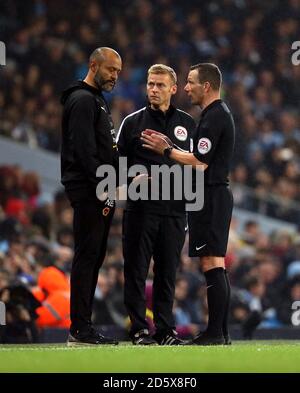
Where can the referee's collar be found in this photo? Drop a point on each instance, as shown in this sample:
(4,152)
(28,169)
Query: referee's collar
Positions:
(211,105)
(159,113)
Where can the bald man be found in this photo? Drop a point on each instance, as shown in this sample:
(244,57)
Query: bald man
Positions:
(88,141)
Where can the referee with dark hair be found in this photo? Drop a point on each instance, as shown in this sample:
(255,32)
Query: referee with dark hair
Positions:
(209,227)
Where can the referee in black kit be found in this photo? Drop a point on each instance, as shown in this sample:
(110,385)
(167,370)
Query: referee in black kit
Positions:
(209,227)
(153,227)
(88,141)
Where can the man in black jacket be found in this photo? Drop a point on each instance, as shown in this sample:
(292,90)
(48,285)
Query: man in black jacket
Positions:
(88,141)
(153,227)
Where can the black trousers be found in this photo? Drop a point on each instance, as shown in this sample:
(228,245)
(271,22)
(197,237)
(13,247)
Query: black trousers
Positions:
(146,235)
(91,225)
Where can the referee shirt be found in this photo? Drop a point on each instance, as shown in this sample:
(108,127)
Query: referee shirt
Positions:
(176,125)
(214,142)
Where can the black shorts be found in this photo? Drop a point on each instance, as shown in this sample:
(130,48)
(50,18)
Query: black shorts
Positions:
(209,227)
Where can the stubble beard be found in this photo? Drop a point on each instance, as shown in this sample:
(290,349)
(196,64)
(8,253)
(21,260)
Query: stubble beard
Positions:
(102,84)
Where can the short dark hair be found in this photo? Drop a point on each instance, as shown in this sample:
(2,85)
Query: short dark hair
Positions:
(209,72)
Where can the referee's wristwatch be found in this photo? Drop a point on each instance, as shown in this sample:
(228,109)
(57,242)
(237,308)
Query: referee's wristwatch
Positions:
(167,151)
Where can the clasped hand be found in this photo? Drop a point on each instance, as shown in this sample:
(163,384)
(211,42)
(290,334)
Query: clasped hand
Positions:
(155,141)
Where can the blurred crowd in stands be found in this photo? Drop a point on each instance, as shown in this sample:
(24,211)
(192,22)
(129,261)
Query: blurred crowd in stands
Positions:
(48,44)
(36,250)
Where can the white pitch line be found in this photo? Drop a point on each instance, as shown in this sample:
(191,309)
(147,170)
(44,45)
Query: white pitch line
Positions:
(45,349)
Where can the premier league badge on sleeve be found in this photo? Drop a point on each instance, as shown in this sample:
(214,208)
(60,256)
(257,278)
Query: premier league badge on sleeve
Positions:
(180,133)
(204,145)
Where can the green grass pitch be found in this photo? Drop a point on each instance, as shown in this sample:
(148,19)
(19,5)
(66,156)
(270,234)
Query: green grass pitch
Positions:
(254,356)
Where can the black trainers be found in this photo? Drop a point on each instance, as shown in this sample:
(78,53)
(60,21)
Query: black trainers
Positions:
(205,339)
(92,337)
(143,337)
(169,339)
(227,339)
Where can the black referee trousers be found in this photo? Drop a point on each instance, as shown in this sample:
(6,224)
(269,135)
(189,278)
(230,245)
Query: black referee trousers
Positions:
(146,235)
(91,227)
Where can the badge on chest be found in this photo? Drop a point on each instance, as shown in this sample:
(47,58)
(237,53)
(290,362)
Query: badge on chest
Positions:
(180,133)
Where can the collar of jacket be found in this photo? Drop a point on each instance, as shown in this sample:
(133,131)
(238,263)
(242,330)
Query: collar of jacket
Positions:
(211,105)
(96,91)
(160,114)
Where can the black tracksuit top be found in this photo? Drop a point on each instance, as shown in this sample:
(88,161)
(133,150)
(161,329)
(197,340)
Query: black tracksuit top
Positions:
(88,139)
(178,126)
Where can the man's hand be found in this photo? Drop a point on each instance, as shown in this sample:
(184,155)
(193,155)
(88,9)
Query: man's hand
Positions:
(121,193)
(142,178)
(150,132)
(155,141)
